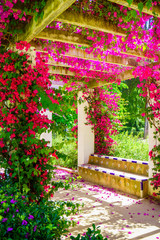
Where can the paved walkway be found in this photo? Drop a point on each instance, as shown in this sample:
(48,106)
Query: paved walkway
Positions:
(120,216)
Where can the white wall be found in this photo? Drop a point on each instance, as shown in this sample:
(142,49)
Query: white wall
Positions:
(47,135)
(152,142)
(85,135)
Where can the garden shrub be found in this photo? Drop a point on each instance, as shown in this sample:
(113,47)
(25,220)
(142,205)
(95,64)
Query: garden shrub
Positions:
(91,234)
(21,219)
(25,90)
(66,150)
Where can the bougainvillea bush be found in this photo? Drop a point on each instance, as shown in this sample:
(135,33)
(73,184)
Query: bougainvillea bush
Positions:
(25,92)
(101,114)
(91,234)
(133,22)
(149,83)
(22,220)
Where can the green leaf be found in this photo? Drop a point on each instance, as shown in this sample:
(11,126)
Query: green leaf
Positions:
(50,226)
(144,48)
(134,13)
(34,159)
(41,14)
(129,2)
(140,6)
(26,188)
(149,4)
(4,75)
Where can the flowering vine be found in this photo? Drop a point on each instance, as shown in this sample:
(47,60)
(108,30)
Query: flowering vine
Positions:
(149,83)
(25,92)
(101,115)
(138,39)
(11,15)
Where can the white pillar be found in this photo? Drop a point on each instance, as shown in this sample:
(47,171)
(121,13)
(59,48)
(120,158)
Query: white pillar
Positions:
(47,136)
(85,135)
(152,141)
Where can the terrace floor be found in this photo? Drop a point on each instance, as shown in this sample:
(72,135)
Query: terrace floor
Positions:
(120,216)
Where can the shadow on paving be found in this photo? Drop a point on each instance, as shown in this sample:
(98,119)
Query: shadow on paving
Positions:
(119,215)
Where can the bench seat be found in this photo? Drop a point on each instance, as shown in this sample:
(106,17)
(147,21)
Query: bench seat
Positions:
(128,182)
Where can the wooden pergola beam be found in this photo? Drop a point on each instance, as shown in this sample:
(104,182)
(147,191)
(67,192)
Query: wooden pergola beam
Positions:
(65,71)
(80,53)
(87,21)
(63,36)
(134,5)
(126,75)
(135,53)
(61,71)
(111,59)
(51,11)
(38,47)
(93,82)
(60,64)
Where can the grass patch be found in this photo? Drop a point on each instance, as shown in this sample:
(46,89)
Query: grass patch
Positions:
(128,146)
(132,147)
(67,149)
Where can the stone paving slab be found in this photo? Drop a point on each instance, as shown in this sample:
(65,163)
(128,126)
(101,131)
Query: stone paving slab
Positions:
(120,216)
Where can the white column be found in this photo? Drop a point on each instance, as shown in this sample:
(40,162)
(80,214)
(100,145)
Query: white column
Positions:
(152,141)
(47,136)
(85,135)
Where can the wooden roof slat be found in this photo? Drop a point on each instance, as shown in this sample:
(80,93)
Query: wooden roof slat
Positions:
(134,5)
(65,71)
(88,21)
(52,10)
(61,64)
(126,75)
(93,82)
(63,36)
(61,71)
(112,59)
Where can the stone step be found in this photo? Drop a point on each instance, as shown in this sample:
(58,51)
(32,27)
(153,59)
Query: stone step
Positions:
(120,180)
(121,164)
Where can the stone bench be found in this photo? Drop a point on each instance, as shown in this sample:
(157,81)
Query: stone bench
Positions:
(103,170)
(126,165)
